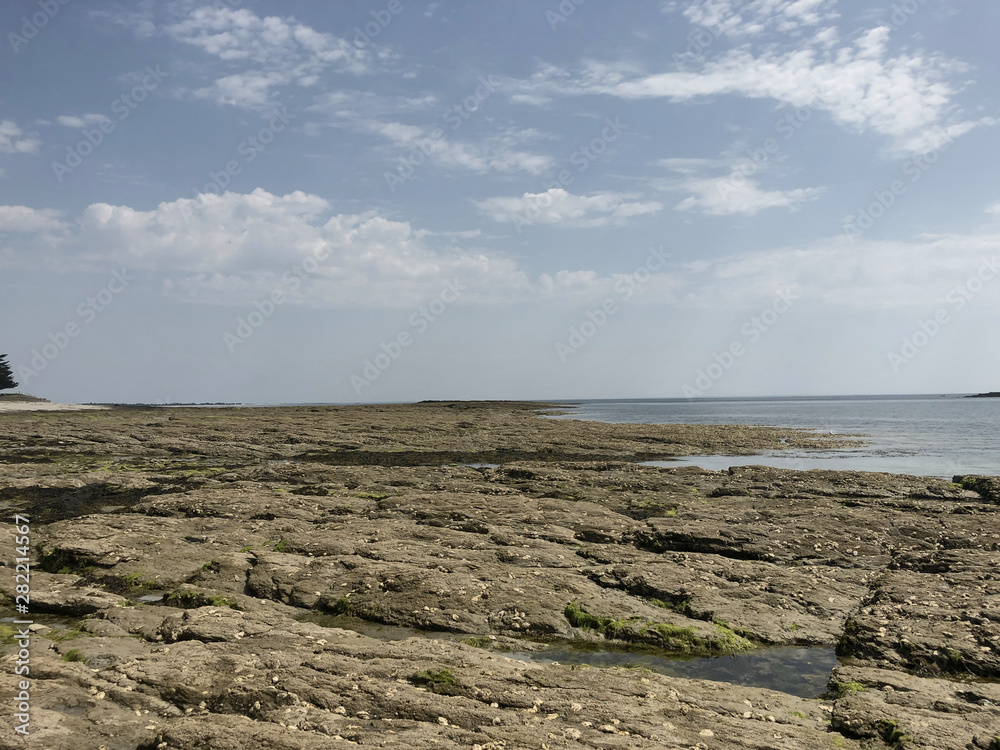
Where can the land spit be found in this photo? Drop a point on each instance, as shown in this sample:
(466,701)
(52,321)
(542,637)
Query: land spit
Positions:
(183,559)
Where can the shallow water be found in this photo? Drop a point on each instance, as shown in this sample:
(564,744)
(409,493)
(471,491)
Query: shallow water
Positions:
(56,622)
(805,460)
(938,436)
(803,672)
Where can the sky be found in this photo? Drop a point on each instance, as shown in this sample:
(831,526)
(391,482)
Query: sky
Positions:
(262,202)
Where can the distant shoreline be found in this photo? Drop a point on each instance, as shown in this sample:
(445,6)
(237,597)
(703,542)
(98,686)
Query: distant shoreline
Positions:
(991,394)
(21,398)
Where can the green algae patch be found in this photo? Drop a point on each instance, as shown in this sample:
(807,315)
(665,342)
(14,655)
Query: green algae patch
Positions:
(441,681)
(663,635)
(846,688)
(8,633)
(137,580)
(477,641)
(63,634)
(74,654)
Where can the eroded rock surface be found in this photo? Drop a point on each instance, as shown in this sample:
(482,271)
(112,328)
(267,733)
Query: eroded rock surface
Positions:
(248,523)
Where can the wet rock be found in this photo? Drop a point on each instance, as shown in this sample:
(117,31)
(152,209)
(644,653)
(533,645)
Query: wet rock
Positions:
(986,487)
(904,710)
(63,595)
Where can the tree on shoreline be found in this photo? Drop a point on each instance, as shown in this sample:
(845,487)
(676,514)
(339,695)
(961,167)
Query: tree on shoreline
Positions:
(6,375)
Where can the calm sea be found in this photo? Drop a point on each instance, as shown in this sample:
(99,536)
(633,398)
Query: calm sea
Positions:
(936,436)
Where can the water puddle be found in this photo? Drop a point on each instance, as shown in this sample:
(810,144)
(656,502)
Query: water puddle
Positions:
(844,460)
(803,672)
(56,622)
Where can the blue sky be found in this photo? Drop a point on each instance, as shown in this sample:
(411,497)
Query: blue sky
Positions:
(397,200)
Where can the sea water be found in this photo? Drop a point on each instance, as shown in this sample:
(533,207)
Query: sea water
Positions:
(938,436)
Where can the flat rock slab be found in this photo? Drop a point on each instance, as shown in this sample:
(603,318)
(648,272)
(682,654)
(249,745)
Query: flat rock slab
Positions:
(225,679)
(253,523)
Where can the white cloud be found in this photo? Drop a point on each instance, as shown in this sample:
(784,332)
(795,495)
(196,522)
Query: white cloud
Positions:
(81,121)
(741,18)
(690,166)
(465,234)
(237,248)
(231,232)
(271,52)
(234,248)
(355,104)
(994,208)
(907,98)
(496,153)
(137,18)
(22,219)
(735,194)
(251,90)
(367,112)
(835,273)
(14,141)
(556,206)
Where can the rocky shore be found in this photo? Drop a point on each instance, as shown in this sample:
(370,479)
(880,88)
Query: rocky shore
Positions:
(189,564)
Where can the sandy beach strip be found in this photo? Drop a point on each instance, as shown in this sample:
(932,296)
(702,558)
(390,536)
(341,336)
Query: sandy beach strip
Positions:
(42,406)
